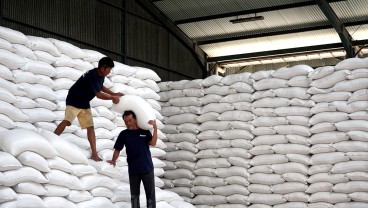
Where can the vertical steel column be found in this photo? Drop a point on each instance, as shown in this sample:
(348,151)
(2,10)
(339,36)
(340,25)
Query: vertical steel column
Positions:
(345,37)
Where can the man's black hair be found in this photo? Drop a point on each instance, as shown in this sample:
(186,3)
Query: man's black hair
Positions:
(129,112)
(106,62)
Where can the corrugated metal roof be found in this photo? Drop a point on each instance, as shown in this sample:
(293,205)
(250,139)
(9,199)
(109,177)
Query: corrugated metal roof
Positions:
(184,9)
(219,37)
(273,21)
(272,43)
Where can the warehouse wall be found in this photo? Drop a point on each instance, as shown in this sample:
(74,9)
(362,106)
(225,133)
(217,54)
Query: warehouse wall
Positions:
(117,28)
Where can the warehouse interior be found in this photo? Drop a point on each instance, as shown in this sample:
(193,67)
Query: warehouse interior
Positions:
(258,104)
(138,32)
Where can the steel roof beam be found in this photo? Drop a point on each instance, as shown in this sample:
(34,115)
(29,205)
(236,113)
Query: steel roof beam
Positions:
(251,11)
(345,37)
(280,32)
(275,53)
(199,55)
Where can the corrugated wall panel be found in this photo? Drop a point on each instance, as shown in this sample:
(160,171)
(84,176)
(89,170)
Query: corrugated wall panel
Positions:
(48,15)
(135,9)
(142,39)
(108,27)
(99,25)
(182,60)
(82,20)
(149,41)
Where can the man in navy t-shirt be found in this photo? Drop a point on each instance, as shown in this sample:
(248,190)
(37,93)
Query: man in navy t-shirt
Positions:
(140,166)
(81,93)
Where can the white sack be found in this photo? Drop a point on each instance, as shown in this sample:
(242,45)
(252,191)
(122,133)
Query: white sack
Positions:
(292,92)
(6,122)
(39,68)
(23,174)
(330,80)
(19,140)
(24,51)
(193,92)
(144,73)
(11,60)
(352,125)
(352,63)
(261,74)
(242,87)
(182,118)
(220,90)
(34,160)
(139,106)
(270,83)
(292,129)
(8,162)
(358,73)
(351,85)
(25,201)
(321,72)
(299,81)
(13,36)
(328,137)
(58,202)
(329,197)
(185,101)
(5,73)
(271,102)
(211,80)
(351,146)
(216,107)
(68,49)
(39,91)
(288,73)
(269,199)
(30,188)
(179,173)
(238,97)
(233,78)
(350,166)
(7,194)
(322,127)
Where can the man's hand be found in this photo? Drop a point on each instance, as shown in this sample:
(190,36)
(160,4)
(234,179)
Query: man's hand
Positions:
(95,157)
(115,99)
(112,162)
(152,123)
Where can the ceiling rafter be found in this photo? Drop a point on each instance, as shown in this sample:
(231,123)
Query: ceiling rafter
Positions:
(251,11)
(345,37)
(279,32)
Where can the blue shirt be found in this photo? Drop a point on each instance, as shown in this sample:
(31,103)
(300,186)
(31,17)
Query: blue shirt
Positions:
(84,89)
(137,149)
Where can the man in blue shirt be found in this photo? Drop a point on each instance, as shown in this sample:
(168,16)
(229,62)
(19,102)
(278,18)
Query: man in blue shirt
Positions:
(89,85)
(140,166)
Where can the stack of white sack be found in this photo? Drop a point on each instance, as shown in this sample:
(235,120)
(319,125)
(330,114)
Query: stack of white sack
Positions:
(278,174)
(180,106)
(35,75)
(222,136)
(338,171)
(302,141)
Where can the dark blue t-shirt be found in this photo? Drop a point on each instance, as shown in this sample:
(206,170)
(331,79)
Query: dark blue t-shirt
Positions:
(137,149)
(84,89)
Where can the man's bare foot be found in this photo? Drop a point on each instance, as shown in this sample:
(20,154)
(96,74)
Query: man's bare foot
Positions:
(95,157)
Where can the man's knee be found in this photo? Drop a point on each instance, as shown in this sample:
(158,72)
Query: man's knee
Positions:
(66,123)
